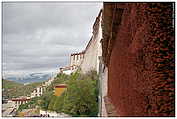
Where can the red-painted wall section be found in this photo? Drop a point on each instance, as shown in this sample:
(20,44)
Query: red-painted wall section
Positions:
(141,66)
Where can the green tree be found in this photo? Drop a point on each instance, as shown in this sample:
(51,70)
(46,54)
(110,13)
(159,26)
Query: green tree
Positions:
(23,106)
(75,75)
(52,102)
(59,103)
(31,104)
(81,99)
(45,100)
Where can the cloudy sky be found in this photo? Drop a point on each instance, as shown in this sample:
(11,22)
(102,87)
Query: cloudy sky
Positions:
(41,36)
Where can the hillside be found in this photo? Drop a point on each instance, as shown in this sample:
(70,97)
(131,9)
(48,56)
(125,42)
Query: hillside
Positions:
(6,84)
(80,98)
(13,89)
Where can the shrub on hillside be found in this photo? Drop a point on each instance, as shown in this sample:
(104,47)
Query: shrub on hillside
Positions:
(80,98)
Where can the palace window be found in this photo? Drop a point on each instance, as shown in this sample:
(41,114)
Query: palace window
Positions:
(77,57)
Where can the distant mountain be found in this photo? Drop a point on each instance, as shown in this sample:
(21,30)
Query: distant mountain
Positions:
(29,78)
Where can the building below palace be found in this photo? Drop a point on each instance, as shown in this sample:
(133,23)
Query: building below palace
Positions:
(37,92)
(21,100)
(59,89)
(69,69)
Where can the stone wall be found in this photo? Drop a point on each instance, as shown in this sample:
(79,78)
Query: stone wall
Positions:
(139,54)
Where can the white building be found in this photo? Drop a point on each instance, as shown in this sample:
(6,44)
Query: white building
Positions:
(48,82)
(37,92)
(93,49)
(76,58)
(75,61)
(89,59)
(68,70)
(20,101)
(52,114)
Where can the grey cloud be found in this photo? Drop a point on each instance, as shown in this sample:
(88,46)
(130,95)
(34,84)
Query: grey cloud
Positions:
(26,17)
(43,35)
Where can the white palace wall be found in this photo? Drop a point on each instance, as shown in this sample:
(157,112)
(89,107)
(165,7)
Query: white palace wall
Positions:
(93,49)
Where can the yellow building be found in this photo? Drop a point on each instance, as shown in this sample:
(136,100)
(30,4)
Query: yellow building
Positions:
(59,89)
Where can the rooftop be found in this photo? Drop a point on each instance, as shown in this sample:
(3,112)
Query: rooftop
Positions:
(61,86)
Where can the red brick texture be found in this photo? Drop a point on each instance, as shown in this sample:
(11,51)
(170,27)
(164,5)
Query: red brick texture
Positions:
(141,67)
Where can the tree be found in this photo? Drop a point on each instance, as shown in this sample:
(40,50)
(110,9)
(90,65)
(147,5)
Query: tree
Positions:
(45,99)
(81,99)
(52,102)
(59,102)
